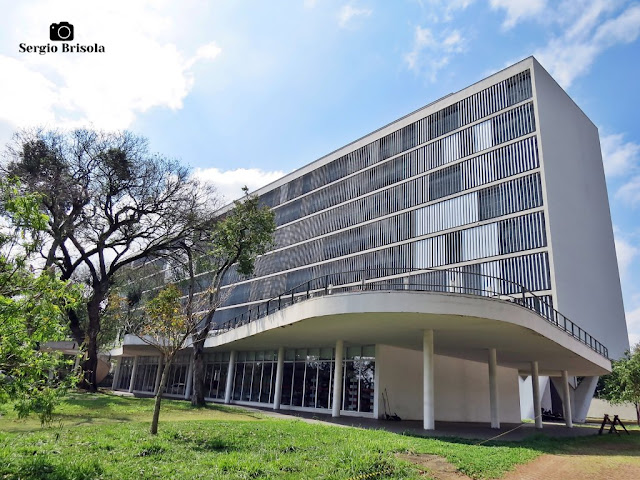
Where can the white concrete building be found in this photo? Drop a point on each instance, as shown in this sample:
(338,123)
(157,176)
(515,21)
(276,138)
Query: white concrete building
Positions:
(441,262)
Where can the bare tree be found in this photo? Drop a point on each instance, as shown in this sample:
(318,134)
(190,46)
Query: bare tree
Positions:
(110,203)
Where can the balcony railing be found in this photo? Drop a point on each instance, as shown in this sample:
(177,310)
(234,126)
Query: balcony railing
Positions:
(418,280)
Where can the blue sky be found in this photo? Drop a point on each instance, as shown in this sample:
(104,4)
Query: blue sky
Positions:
(245,91)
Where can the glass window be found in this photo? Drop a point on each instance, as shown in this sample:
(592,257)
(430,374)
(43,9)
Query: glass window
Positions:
(287,379)
(311,384)
(298,384)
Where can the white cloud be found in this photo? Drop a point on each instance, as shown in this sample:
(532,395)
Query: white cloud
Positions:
(431,53)
(229,183)
(630,191)
(348,12)
(626,253)
(518,10)
(140,69)
(443,10)
(619,156)
(633,326)
(310,3)
(572,54)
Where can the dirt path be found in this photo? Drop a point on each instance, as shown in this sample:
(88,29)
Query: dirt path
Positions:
(436,467)
(579,467)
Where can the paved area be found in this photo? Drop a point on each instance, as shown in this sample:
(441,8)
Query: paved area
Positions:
(479,431)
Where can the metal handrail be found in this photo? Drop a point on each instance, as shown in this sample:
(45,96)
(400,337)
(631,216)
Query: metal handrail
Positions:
(389,279)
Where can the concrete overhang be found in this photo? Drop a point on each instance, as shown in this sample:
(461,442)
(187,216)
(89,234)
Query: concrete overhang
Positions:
(464,326)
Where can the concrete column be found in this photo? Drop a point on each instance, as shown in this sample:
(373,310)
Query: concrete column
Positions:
(494,401)
(428,383)
(279,373)
(158,376)
(582,396)
(337,379)
(566,400)
(189,385)
(535,384)
(230,372)
(134,371)
(116,373)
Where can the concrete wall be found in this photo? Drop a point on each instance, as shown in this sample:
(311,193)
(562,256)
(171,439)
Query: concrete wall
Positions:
(526,396)
(626,411)
(461,387)
(583,253)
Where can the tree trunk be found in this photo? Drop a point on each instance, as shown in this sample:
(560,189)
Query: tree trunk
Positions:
(197,398)
(156,408)
(90,366)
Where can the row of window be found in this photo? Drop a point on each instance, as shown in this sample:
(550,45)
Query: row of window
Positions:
(307,377)
(497,164)
(514,235)
(506,236)
(505,127)
(507,161)
(505,198)
(500,277)
(394,258)
(471,109)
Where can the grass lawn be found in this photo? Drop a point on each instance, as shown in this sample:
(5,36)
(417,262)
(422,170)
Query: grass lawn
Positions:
(106,436)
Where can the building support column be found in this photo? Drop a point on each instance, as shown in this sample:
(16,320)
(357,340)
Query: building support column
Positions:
(535,384)
(337,379)
(494,401)
(279,374)
(189,385)
(156,386)
(134,371)
(428,395)
(230,372)
(566,400)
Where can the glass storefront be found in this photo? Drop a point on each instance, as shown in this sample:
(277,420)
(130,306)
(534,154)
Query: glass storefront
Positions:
(177,380)
(307,380)
(146,374)
(215,374)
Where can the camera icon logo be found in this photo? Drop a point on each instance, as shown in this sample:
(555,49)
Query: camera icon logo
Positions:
(62,31)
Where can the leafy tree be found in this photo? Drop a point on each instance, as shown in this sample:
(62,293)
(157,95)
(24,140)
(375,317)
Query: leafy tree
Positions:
(32,310)
(234,241)
(110,203)
(169,323)
(623,384)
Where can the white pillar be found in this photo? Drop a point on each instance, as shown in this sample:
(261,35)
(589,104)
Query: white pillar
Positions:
(494,401)
(158,376)
(428,383)
(134,371)
(566,400)
(535,383)
(230,372)
(279,373)
(189,385)
(337,379)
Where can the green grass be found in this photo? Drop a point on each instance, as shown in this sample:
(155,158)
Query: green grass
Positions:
(106,437)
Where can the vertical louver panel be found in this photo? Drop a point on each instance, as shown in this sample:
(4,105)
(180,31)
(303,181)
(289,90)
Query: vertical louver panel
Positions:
(480,242)
(483,136)
(429,253)
(451,148)
(448,214)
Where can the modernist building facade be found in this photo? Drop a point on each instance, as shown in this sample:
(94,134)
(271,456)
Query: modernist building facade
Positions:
(430,269)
